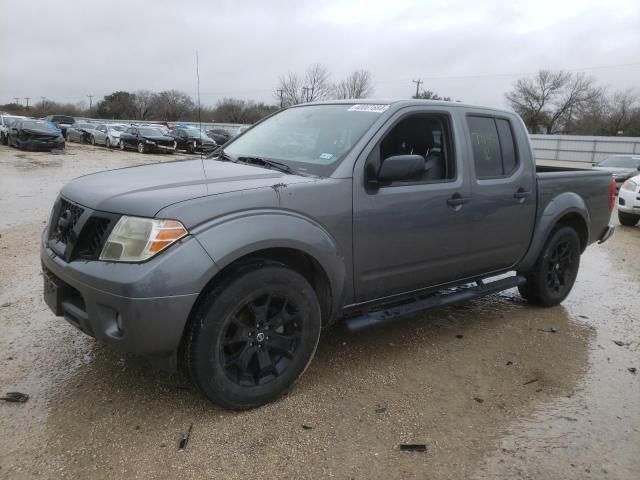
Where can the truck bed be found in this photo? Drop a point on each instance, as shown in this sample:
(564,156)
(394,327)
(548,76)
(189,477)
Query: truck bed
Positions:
(592,186)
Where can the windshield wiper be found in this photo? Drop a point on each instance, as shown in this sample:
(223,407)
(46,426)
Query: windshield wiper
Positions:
(267,163)
(222,156)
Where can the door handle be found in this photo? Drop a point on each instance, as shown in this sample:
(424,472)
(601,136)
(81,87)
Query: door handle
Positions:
(521,193)
(457,200)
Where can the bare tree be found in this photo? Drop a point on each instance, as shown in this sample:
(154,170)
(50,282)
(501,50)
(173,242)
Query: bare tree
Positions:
(294,89)
(290,90)
(144,102)
(622,108)
(551,100)
(317,83)
(172,105)
(356,85)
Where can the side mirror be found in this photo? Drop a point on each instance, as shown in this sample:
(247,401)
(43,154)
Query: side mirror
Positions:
(401,167)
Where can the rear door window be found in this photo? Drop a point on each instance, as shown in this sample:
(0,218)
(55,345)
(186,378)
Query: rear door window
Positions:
(494,152)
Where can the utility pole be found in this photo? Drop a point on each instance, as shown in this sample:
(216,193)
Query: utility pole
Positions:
(43,99)
(281,93)
(90,101)
(17,99)
(305,93)
(27,99)
(417,82)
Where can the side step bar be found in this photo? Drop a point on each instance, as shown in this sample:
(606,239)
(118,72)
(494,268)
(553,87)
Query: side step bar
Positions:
(385,315)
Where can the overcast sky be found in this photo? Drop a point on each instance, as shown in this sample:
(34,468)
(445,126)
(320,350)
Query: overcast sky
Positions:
(471,50)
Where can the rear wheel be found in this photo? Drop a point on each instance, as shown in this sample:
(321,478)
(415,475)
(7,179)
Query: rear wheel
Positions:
(254,336)
(556,269)
(628,219)
(92,140)
(122,145)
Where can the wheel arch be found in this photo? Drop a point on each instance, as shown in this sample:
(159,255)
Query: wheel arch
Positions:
(566,209)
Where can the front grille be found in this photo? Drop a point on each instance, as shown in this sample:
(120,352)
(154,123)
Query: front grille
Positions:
(64,222)
(92,239)
(79,233)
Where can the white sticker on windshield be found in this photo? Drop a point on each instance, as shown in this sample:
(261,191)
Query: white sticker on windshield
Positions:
(326,156)
(368,108)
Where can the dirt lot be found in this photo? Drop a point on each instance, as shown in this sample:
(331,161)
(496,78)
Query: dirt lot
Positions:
(494,388)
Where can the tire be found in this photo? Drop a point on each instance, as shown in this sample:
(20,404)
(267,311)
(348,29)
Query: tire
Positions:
(253,336)
(92,140)
(190,148)
(628,219)
(107,143)
(122,147)
(556,269)
(141,148)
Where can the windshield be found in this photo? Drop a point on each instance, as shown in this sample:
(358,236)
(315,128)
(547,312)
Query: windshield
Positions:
(151,132)
(117,128)
(311,139)
(620,161)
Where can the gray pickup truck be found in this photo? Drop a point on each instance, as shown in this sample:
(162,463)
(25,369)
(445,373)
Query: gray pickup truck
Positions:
(355,211)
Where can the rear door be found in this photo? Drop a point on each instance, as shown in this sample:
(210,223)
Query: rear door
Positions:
(503,195)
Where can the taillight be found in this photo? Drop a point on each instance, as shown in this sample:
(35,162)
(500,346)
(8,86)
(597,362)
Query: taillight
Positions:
(612,194)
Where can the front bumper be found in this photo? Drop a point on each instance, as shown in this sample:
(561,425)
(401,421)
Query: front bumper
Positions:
(629,201)
(137,308)
(34,144)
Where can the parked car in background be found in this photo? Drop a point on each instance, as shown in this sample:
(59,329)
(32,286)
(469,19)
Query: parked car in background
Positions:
(108,134)
(5,123)
(147,139)
(81,132)
(61,121)
(31,134)
(193,140)
(622,167)
(220,135)
(629,202)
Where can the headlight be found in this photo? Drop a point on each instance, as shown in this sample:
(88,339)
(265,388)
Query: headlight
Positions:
(629,185)
(150,141)
(136,239)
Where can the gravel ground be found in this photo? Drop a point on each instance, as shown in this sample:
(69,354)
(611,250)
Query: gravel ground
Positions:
(494,388)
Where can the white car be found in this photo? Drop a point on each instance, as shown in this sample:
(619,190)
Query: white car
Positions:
(5,122)
(629,202)
(108,134)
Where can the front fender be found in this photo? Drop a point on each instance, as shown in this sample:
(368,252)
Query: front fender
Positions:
(229,238)
(561,205)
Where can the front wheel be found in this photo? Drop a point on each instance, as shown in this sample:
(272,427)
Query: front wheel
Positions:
(107,143)
(556,269)
(122,146)
(253,336)
(141,147)
(628,219)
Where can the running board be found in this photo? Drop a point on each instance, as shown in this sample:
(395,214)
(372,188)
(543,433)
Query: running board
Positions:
(438,299)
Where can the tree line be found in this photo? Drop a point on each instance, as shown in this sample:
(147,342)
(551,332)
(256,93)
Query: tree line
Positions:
(548,102)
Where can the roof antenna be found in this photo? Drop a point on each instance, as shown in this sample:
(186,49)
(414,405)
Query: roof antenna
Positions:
(200,117)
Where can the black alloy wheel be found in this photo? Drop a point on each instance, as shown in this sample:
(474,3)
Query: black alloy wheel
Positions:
(253,336)
(555,271)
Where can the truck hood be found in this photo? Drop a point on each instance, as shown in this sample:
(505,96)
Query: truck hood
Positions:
(145,190)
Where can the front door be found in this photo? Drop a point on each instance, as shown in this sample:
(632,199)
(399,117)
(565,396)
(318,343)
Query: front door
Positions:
(412,234)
